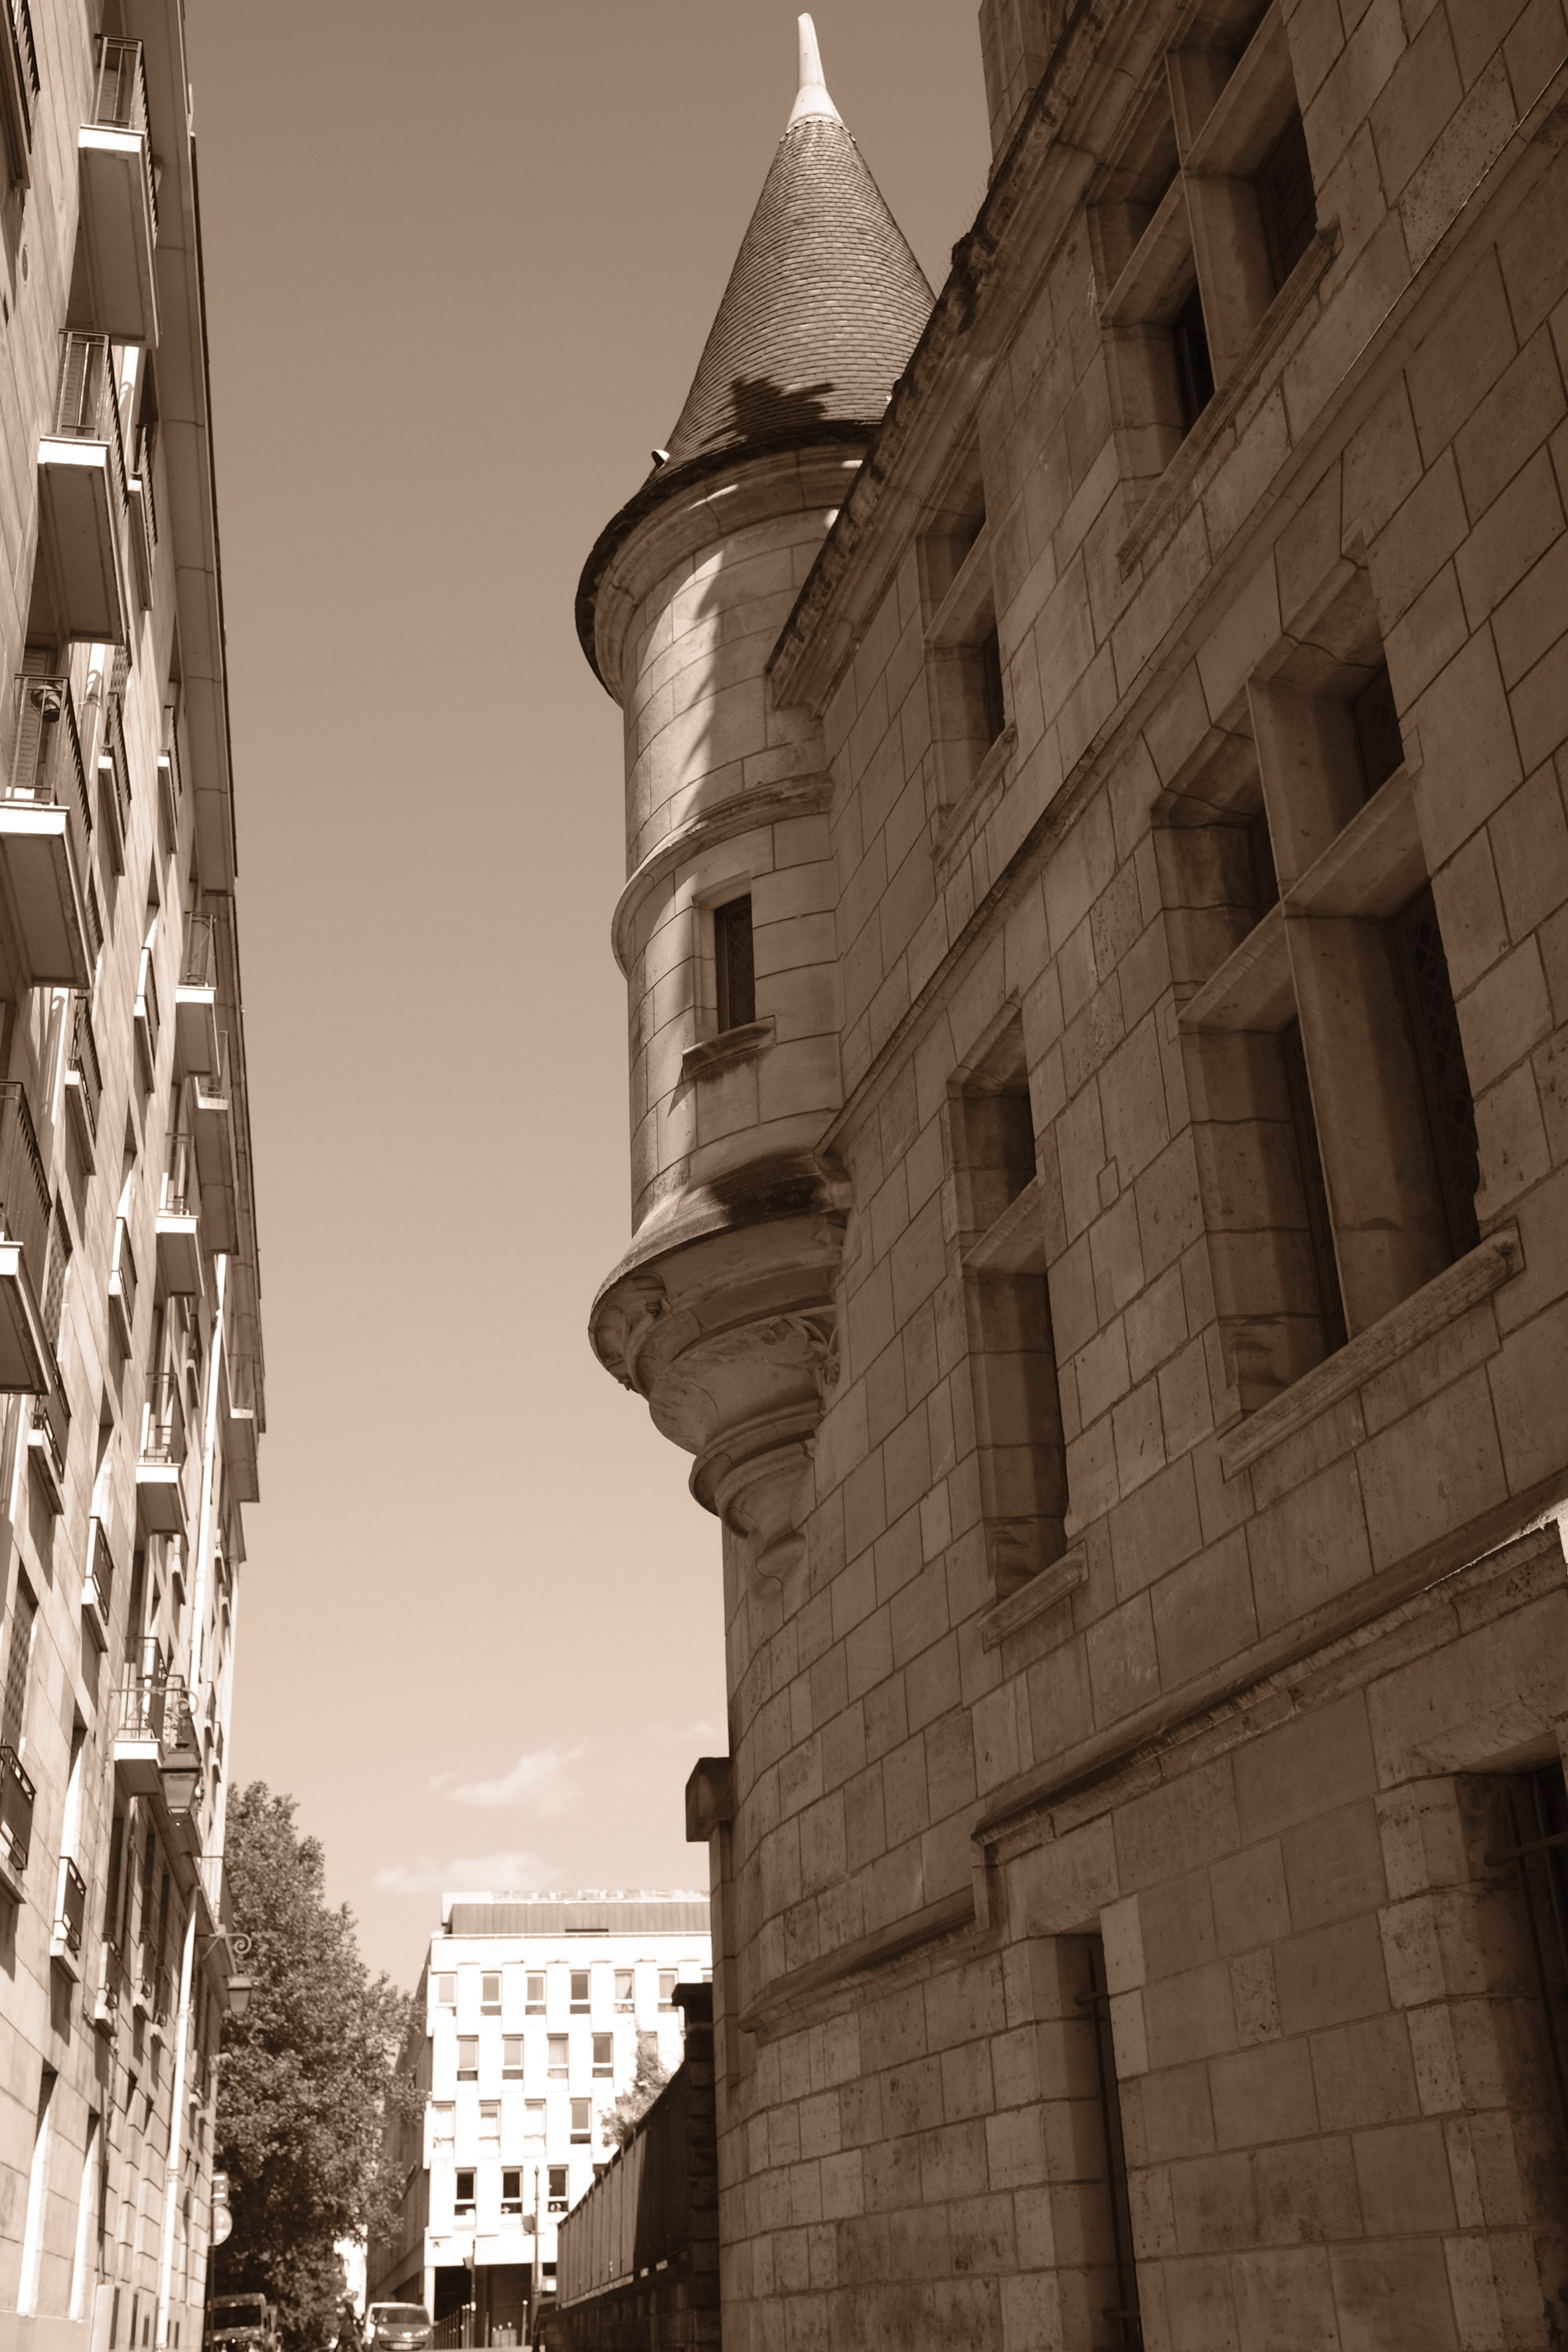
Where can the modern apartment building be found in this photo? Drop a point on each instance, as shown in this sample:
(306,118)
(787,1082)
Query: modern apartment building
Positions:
(526,2026)
(1097,940)
(130,1348)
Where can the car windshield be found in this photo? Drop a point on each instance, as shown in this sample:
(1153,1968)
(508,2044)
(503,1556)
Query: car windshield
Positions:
(238,2311)
(401,2315)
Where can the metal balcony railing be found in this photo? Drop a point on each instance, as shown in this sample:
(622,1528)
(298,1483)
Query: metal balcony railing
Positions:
(114,755)
(43,1428)
(120,101)
(100,1568)
(155,1707)
(72,1910)
(198,966)
(163,1427)
(83,1060)
(23,1190)
(87,402)
(110,1981)
(181,1184)
(122,1272)
(17,1796)
(46,765)
(147,1001)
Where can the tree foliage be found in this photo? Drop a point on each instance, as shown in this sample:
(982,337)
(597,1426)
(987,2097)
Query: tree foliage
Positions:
(649,2079)
(307,2080)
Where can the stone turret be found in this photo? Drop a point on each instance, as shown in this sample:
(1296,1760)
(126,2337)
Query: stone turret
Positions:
(722,1311)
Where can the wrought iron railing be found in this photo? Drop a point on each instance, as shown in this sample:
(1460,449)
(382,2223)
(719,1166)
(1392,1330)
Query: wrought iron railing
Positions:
(23,1190)
(163,1427)
(120,101)
(147,1000)
(113,755)
(83,1062)
(182,1184)
(25,57)
(72,1910)
(45,764)
(17,1797)
(43,1430)
(155,1707)
(100,1568)
(198,965)
(122,1271)
(87,401)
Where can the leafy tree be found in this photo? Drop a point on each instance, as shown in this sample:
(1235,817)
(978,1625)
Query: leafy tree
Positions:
(307,2080)
(620,2121)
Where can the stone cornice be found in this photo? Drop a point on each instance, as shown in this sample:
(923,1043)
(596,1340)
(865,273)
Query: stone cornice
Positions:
(741,813)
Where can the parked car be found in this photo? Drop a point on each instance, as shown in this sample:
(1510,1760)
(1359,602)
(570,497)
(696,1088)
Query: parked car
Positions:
(398,2327)
(242,2323)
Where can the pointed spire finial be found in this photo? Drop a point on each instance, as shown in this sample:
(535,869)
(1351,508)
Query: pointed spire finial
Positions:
(812,102)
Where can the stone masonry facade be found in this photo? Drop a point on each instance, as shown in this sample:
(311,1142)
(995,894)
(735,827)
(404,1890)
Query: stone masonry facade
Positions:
(1114,1282)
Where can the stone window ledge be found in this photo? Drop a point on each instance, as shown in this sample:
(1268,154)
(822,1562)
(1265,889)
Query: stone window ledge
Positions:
(1055,1583)
(732,1045)
(952,828)
(1449,1295)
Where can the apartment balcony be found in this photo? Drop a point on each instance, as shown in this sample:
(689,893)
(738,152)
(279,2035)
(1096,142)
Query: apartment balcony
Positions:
(147,1021)
(70,1919)
(82,495)
(109,1988)
(143,520)
(179,1223)
(18,89)
(17,1798)
(195,999)
(83,1079)
(151,1726)
(160,1473)
(114,783)
(119,201)
(26,1359)
(213,1126)
(98,1584)
(237,1412)
(46,826)
(123,1287)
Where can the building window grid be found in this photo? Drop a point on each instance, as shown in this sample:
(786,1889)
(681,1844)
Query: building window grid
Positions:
(512,2051)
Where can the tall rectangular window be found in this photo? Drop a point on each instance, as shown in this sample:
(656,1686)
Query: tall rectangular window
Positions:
(581,2121)
(534,1993)
(533,2123)
(1123,2310)
(489,2124)
(666,1987)
(443,2125)
(463,2193)
(557,2185)
(734,963)
(579,2003)
(511,2058)
(489,1993)
(447,1992)
(604,2053)
(626,1988)
(557,2056)
(512,2190)
(468,2057)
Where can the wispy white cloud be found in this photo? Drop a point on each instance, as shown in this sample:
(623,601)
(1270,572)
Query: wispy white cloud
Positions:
(701,1739)
(538,1783)
(511,1872)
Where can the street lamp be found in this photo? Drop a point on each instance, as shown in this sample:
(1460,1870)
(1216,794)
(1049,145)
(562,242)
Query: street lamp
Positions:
(239,1992)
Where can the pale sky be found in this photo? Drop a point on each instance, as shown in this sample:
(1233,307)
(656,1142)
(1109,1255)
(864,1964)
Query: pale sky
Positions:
(460,265)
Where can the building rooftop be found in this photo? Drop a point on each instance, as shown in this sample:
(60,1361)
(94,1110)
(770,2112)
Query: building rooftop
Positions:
(591,1911)
(825,301)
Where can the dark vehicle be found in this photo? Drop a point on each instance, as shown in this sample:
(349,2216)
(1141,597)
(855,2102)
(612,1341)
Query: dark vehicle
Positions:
(397,2327)
(241,2323)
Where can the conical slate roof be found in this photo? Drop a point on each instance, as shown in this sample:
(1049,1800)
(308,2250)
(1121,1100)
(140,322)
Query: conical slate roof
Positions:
(825,301)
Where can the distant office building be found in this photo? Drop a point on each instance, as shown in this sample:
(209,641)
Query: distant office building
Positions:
(526,2028)
(129,1350)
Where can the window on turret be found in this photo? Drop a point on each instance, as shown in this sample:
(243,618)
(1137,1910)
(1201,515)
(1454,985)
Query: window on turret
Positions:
(734,964)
